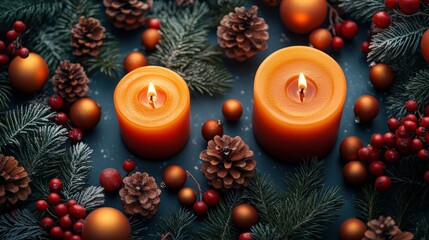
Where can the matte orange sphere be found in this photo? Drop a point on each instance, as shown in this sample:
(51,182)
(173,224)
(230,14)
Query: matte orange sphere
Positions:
(244,216)
(366,108)
(352,229)
(349,148)
(150,38)
(321,39)
(106,223)
(232,110)
(187,196)
(354,173)
(381,76)
(424,45)
(134,60)
(174,176)
(85,113)
(302,16)
(28,75)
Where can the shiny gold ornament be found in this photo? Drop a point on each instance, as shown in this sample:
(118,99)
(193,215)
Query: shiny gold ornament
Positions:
(366,108)
(354,173)
(134,60)
(381,76)
(85,113)
(212,128)
(303,16)
(244,216)
(28,75)
(232,110)
(106,223)
(321,39)
(352,229)
(349,148)
(187,196)
(150,38)
(174,176)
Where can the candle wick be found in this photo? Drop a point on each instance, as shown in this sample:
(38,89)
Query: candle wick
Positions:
(151,101)
(302,95)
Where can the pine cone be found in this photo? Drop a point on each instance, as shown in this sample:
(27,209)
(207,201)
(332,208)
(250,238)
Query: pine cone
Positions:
(87,37)
(127,14)
(140,195)
(14,181)
(384,228)
(242,33)
(184,2)
(70,81)
(227,163)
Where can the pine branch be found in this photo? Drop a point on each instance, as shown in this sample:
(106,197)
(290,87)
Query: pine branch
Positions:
(21,225)
(363,9)
(422,230)
(177,225)
(406,202)
(264,195)
(368,203)
(5,91)
(220,8)
(137,228)
(76,169)
(90,197)
(265,232)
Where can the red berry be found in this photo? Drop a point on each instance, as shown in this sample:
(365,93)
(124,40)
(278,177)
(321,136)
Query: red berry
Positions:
(383,183)
(54,198)
(391,4)
(11,51)
(337,43)
(154,23)
(75,135)
(71,202)
(77,227)
(4,59)
(55,102)
(426,177)
(424,122)
(61,210)
(110,179)
(377,168)
(410,126)
(60,118)
(426,111)
(77,211)
(426,136)
(129,165)
(409,6)
(364,47)
(211,197)
(421,131)
(389,140)
(377,141)
(365,154)
(410,117)
(41,205)
(11,35)
(67,235)
(245,236)
(393,124)
(403,145)
(19,26)
(23,52)
(416,145)
(76,237)
(381,19)
(411,106)
(423,155)
(55,185)
(47,223)
(402,132)
(56,233)
(66,222)
(349,29)
(2,46)
(200,208)
(337,28)
(375,154)
(391,156)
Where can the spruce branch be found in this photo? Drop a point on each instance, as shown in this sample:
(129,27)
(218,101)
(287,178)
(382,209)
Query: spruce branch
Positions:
(406,202)
(90,197)
(362,10)
(137,228)
(263,195)
(220,8)
(176,226)
(265,232)
(5,91)
(21,225)
(422,230)
(368,203)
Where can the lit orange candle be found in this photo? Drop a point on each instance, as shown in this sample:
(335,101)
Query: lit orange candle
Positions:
(299,94)
(153,109)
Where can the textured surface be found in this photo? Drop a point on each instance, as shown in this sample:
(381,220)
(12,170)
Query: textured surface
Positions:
(110,152)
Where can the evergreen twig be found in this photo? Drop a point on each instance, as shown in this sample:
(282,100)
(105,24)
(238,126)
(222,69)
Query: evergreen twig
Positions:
(20,225)
(266,232)
(368,203)
(137,228)
(362,10)
(263,195)
(90,197)
(5,91)
(220,8)
(422,230)
(178,225)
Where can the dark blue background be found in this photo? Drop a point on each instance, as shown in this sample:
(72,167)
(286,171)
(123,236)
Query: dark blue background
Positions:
(110,152)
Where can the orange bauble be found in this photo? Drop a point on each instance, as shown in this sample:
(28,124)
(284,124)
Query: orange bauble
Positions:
(354,173)
(106,224)
(174,176)
(349,148)
(232,110)
(352,229)
(424,45)
(302,16)
(244,216)
(366,108)
(321,39)
(381,76)
(85,113)
(134,60)
(150,38)
(28,75)
(187,196)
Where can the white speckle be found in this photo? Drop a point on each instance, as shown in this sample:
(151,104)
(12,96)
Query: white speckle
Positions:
(242,92)
(248,109)
(345,131)
(259,154)
(194,141)
(96,92)
(246,117)
(195,167)
(246,129)
(102,151)
(104,156)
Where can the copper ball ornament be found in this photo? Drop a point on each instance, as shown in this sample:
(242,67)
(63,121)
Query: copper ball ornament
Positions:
(381,76)
(211,128)
(106,223)
(321,39)
(244,216)
(174,176)
(232,110)
(187,196)
(134,60)
(150,38)
(28,75)
(366,108)
(85,113)
(349,148)
(303,16)
(424,45)
(352,229)
(354,173)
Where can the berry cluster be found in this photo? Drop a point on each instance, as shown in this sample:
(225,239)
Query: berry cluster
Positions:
(110,178)
(62,219)
(14,47)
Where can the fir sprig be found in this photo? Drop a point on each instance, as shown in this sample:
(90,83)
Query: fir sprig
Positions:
(368,203)
(362,10)
(422,230)
(5,91)
(137,228)
(220,8)
(21,225)
(90,197)
(177,225)
(263,194)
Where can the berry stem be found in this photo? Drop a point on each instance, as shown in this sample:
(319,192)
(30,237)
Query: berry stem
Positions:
(165,236)
(50,213)
(334,17)
(200,192)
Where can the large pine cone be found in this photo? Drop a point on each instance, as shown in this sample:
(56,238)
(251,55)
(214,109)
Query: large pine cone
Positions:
(127,14)
(140,195)
(14,181)
(242,33)
(70,81)
(227,163)
(87,37)
(384,228)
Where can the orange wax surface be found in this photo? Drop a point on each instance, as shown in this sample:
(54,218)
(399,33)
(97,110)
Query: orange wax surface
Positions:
(157,129)
(290,129)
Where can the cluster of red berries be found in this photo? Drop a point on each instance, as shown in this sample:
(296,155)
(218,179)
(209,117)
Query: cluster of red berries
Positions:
(210,199)
(62,219)
(110,178)
(14,47)
(56,103)
(347,29)
(407,136)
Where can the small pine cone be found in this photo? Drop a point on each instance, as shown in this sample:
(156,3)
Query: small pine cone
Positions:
(227,163)
(127,14)
(70,81)
(272,3)
(140,195)
(184,2)
(14,181)
(384,228)
(87,37)
(242,33)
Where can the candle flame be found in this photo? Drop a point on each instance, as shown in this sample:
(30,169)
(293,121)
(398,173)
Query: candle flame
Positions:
(151,93)
(302,82)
